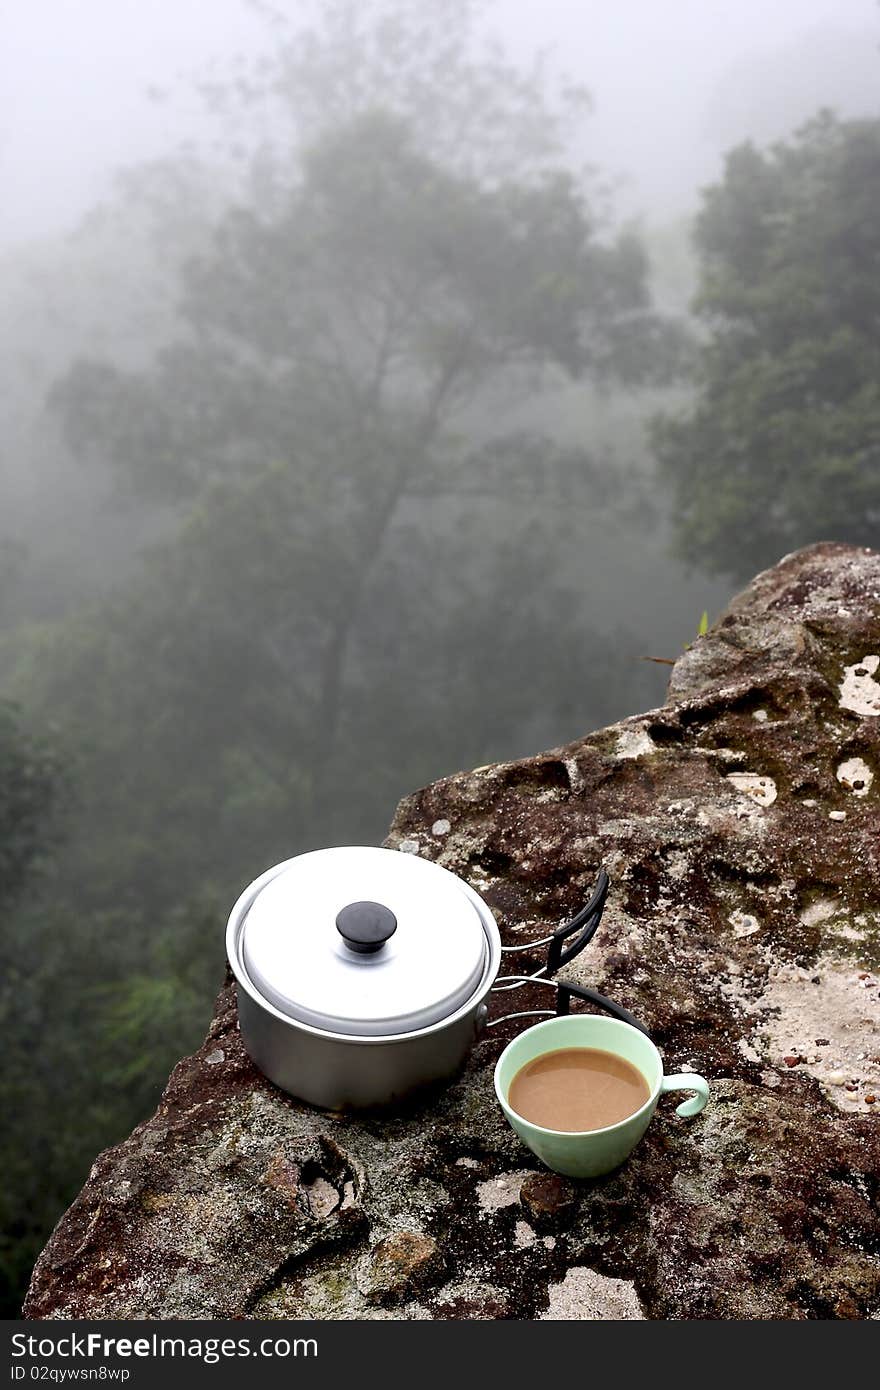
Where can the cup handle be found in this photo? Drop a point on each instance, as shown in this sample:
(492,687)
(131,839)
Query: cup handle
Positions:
(687,1081)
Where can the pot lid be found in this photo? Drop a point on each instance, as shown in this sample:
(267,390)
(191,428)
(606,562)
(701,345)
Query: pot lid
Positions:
(365,941)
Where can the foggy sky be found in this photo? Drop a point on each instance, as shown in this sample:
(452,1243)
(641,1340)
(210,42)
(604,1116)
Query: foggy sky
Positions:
(674,84)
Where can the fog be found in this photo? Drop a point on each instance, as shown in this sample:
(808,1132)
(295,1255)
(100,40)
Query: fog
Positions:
(370,411)
(673,85)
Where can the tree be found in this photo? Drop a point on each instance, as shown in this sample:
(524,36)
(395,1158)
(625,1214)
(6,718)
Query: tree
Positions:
(387,295)
(434,67)
(361,328)
(782,446)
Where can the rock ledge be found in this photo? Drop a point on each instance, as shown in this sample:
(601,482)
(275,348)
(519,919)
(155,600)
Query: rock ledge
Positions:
(739,823)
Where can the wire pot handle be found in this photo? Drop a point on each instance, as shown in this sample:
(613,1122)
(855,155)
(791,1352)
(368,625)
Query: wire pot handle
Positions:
(586,921)
(564,995)
(588,918)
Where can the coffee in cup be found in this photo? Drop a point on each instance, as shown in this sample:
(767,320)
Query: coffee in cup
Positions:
(577,1088)
(593,1150)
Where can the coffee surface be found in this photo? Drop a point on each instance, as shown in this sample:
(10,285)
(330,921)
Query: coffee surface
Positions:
(577,1088)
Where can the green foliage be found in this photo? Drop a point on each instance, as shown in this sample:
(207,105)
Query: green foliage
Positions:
(783,444)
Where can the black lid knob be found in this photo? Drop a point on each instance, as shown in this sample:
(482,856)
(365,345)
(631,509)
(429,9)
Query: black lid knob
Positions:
(365,927)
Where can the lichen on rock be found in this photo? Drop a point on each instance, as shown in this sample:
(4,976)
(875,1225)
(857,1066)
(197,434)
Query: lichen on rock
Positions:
(740,829)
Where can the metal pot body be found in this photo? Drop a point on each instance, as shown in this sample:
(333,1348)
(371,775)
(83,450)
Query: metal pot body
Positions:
(339,1073)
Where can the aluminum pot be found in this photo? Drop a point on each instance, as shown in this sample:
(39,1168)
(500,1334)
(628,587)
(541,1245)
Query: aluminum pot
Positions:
(363,973)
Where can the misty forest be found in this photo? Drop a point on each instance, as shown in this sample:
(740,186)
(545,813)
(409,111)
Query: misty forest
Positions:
(363,439)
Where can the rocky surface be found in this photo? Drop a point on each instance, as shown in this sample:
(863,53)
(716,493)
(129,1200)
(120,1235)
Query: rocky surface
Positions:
(740,826)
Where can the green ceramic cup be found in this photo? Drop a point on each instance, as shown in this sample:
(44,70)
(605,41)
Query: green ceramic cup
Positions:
(589,1153)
